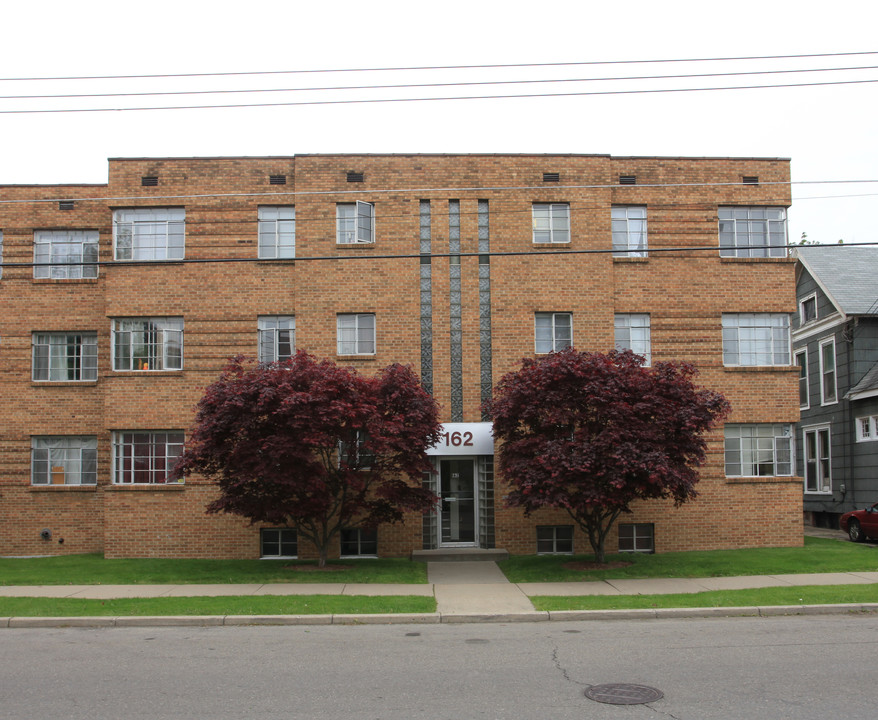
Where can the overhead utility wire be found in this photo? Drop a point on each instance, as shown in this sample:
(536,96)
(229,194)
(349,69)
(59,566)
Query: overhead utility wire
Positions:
(441,67)
(434,85)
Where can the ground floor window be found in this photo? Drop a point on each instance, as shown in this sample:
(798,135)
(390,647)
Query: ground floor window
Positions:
(818,460)
(637,537)
(555,540)
(278,543)
(359,542)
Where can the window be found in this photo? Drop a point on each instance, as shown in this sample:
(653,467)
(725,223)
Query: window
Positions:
(356,334)
(828,388)
(632,333)
(551,222)
(752,232)
(146,458)
(277,338)
(148,344)
(68,254)
(277,231)
(637,537)
(808,309)
(818,466)
(64,357)
(867,428)
(629,231)
(64,460)
(355,223)
(764,450)
(149,233)
(359,542)
(353,453)
(278,543)
(802,362)
(554,540)
(552,332)
(756,339)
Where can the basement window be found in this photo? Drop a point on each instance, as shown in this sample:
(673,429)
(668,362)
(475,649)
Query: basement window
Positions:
(359,542)
(554,540)
(278,543)
(637,537)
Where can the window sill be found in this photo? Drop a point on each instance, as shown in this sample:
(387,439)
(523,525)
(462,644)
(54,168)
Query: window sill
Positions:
(63,383)
(147,487)
(761,368)
(365,245)
(63,488)
(146,373)
(775,479)
(349,358)
(819,493)
(64,281)
(540,245)
(624,259)
(757,260)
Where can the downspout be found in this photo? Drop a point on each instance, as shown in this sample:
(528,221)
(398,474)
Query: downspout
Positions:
(850,432)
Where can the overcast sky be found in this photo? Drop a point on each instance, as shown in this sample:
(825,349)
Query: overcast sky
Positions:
(830,132)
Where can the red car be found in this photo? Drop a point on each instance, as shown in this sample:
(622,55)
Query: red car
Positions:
(860,524)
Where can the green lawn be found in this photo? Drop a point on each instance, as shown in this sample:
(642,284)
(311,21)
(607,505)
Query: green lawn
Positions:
(227,605)
(818,555)
(95,570)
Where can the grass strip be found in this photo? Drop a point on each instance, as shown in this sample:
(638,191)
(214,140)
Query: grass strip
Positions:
(800,595)
(225,605)
(818,555)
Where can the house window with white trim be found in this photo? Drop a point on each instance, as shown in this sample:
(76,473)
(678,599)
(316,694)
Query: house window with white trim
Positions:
(359,542)
(554,540)
(146,458)
(65,357)
(65,254)
(867,428)
(277,231)
(277,337)
(818,460)
(64,460)
(149,233)
(752,232)
(802,363)
(632,333)
(355,223)
(637,537)
(552,332)
(278,543)
(629,231)
(355,334)
(808,309)
(551,222)
(759,450)
(754,339)
(828,384)
(148,344)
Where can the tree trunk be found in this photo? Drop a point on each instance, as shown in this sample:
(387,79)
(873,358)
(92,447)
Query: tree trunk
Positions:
(321,562)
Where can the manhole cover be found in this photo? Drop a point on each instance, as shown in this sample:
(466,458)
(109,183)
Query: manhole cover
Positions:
(623,694)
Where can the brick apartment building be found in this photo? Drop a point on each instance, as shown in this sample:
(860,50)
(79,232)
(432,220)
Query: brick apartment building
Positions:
(121,302)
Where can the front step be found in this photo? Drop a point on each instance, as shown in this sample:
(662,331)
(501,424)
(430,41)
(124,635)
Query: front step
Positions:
(459,555)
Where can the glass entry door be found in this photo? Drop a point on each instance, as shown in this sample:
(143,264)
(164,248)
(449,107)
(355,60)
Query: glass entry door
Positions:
(458,501)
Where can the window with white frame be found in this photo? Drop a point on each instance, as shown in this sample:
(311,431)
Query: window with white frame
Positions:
(551,222)
(355,334)
(756,339)
(752,232)
(629,231)
(353,453)
(66,254)
(63,357)
(277,337)
(759,450)
(278,543)
(802,363)
(355,223)
(149,233)
(828,385)
(64,460)
(632,333)
(146,458)
(554,540)
(818,460)
(148,344)
(552,331)
(277,231)
(637,537)
(808,309)
(359,542)
(867,428)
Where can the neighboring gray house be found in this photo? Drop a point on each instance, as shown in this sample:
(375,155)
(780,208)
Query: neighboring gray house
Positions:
(835,345)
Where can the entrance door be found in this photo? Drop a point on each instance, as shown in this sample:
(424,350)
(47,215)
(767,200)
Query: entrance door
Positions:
(458,501)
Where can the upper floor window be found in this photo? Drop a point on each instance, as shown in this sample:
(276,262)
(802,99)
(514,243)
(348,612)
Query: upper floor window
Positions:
(818,460)
(354,453)
(148,344)
(552,331)
(65,254)
(355,334)
(64,357)
(756,339)
(551,222)
(149,233)
(828,384)
(802,363)
(632,333)
(277,337)
(808,309)
(64,460)
(762,450)
(277,231)
(146,458)
(752,232)
(629,231)
(355,223)
(867,428)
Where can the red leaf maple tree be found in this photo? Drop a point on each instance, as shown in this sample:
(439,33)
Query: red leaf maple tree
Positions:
(592,432)
(306,444)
